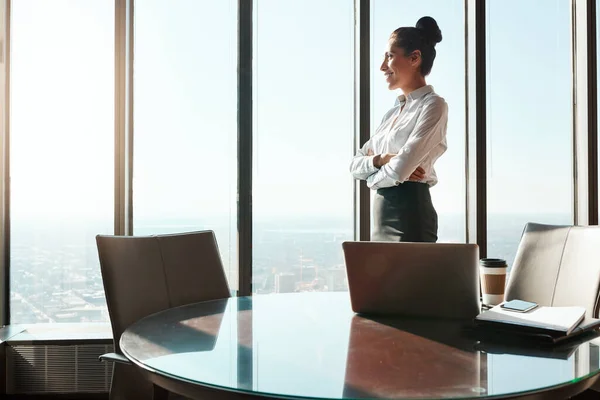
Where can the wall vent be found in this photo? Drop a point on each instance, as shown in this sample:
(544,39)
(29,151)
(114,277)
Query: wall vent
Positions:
(37,369)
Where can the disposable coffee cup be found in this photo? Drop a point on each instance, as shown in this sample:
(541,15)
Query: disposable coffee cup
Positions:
(492,273)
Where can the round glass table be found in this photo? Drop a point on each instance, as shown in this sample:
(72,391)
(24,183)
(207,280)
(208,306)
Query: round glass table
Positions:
(311,345)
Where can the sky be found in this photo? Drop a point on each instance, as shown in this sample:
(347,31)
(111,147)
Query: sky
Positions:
(185,105)
(62,112)
(529,106)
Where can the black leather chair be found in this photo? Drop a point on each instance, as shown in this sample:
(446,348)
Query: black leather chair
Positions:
(145,275)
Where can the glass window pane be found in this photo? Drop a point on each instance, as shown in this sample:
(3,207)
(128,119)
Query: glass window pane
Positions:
(448,80)
(303,143)
(61,164)
(185,171)
(529,119)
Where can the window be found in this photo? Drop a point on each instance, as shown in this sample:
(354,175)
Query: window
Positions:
(529,166)
(185,134)
(61,164)
(185,172)
(448,79)
(303,144)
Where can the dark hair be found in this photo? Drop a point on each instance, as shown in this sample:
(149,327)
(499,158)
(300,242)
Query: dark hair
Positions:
(424,36)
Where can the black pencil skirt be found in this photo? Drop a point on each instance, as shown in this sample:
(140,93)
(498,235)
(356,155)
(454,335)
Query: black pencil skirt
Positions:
(404,213)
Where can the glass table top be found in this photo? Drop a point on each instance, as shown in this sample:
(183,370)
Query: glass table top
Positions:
(309,345)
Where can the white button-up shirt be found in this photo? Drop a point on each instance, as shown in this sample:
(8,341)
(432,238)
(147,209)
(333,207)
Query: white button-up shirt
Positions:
(414,130)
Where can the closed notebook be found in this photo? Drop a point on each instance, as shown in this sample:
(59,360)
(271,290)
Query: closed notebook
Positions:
(562,320)
(529,349)
(495,333)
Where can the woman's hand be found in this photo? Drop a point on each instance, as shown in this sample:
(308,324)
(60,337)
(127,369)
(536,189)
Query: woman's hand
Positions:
(417,175)
(380,159)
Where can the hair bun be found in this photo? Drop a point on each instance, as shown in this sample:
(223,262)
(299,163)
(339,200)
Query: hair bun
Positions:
(430,29)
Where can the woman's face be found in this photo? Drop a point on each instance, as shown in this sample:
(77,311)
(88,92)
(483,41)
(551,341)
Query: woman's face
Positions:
(399,68)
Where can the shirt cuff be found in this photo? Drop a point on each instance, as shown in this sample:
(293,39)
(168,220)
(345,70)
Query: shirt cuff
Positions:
(382,178)
(371,166)
(391,174)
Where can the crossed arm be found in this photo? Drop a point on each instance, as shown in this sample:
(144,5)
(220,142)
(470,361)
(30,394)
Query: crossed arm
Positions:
(366,164)
(381,159)
(383,170)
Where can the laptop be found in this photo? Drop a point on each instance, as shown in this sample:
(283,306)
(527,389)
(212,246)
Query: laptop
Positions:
(431,280)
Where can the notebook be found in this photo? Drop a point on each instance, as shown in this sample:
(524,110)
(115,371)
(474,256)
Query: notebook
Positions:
(500,332)
(499,341)
(561,320)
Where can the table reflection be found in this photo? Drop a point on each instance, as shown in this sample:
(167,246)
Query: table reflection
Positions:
(388,358)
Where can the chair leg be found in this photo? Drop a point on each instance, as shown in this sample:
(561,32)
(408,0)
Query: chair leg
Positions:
(159,393)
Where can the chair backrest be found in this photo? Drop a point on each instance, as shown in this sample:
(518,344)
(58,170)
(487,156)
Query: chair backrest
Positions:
(143,275)
(557,266)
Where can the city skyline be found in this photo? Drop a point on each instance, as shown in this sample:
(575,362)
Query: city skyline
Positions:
(55,277)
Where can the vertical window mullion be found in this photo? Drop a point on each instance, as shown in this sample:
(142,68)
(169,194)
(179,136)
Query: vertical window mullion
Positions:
(244,149)
(585,135)
(592,63)
(476,125)
(5,162)
(362,109)
(123,116)
(244,173)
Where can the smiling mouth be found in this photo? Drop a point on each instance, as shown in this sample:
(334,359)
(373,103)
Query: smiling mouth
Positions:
(388,74)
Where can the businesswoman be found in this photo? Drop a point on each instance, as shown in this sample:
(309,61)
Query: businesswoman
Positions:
(398,161)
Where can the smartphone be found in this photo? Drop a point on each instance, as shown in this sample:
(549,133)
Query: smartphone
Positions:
(519,305)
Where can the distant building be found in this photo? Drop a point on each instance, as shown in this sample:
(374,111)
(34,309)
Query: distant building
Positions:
(336,279)
(67,317)
(285,283)
(81,314)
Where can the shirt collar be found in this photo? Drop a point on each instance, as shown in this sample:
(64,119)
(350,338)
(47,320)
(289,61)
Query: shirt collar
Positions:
(415,94)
